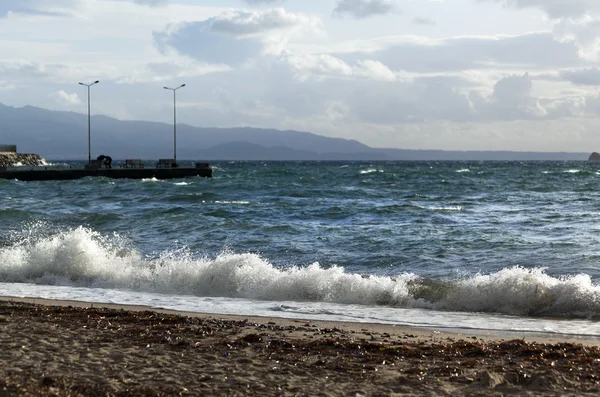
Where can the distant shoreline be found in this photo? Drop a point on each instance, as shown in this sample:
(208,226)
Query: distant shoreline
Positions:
(118,161)
(66,133)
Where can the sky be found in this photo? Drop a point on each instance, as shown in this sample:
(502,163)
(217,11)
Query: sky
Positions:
(414,74)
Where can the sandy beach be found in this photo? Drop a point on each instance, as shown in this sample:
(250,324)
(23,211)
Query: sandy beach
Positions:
(59,348)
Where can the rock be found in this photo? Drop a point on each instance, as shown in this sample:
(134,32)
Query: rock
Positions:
(12,159)
(594,157)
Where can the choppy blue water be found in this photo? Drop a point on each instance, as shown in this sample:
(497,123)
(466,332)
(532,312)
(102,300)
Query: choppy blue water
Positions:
(482,245)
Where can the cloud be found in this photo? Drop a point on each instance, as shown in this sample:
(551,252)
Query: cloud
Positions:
(199,40)
(37,7)
(375,70)
(510,100)
(363,8)
(152,3)
(398,81)
(234,36)
(589,76)
(576,21)
(592,105)
(64,98)
(371,93)
(306,66)
(423,21)
(241,22)
(257,2)
(56,7)
(406,102)
(536,50)
(584,33)
(421,102)
(173,68)
(555,8)
(20,69)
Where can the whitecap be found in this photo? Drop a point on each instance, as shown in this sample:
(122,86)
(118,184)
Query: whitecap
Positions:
(370,171)
(153,179)
(455,208)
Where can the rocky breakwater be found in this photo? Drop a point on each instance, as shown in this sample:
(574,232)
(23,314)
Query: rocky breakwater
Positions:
(12,159)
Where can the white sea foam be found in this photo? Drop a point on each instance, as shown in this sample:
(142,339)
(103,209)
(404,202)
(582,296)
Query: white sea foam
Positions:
(523,291)
(464,170)
(81,257)
(43,162)
(449,208)
(573,171)
(370,171)
(153,179)
(182,183)
(48,164)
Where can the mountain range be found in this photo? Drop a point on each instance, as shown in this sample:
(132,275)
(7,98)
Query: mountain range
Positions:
(63,135)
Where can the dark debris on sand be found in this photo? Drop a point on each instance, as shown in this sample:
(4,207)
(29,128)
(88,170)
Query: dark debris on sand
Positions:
(71,351)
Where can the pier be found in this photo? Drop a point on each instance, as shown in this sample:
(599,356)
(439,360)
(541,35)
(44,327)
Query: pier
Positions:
(49,174)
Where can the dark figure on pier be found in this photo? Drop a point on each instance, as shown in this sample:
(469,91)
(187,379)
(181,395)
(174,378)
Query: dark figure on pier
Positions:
(104,160)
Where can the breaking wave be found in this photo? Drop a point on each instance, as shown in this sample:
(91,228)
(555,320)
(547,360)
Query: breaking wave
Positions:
(81,257)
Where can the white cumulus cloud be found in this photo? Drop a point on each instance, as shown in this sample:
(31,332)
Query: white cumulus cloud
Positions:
(235,36)
(65,98)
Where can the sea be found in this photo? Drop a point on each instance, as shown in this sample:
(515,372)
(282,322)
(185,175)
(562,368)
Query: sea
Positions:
(475,246)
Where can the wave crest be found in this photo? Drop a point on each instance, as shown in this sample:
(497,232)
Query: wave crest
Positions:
(81,257)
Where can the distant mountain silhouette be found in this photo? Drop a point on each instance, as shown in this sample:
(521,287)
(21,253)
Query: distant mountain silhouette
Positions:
(251,151)
(63,135)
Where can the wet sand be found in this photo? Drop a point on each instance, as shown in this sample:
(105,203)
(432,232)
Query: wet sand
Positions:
(63,348)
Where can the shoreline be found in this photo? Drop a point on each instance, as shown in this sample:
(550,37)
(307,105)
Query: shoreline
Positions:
(424,332)
(64,348)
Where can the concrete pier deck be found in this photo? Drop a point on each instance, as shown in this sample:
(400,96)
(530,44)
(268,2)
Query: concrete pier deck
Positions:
(41,174)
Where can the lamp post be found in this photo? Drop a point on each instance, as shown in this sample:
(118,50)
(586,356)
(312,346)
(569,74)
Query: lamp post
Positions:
(89,120)
(174,121)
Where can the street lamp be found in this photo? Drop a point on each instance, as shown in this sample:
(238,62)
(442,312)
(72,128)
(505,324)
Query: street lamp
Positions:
(174,121)
(89,120)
